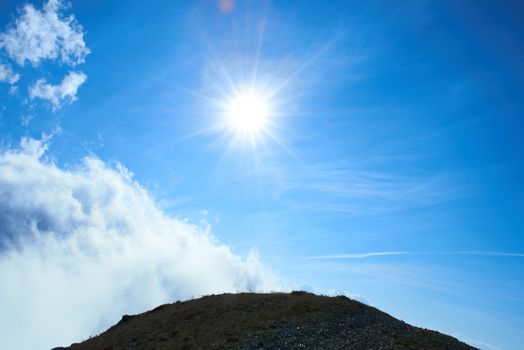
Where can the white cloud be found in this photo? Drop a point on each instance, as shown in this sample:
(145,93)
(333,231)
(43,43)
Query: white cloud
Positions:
(79,247)
(350,295)
(26,119)
(7,75)
(37,35)
(65,92)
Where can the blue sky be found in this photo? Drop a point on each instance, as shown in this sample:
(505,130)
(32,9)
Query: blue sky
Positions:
(391,166)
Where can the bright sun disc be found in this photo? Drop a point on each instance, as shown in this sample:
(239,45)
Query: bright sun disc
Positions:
(248,113)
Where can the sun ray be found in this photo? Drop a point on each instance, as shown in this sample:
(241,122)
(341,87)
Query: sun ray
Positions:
(297,71)
(259,46)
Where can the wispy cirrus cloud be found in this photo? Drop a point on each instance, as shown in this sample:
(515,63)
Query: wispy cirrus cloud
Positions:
(366,188)
(393,253)
(45,34)
(355,255)
(65,92)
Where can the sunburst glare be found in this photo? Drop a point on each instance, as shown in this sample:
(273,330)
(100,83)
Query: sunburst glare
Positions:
(248,112)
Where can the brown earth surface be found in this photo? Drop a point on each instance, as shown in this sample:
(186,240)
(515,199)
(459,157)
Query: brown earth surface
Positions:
(297,320)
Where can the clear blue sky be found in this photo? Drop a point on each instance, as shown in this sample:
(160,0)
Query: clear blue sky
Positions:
(392,167)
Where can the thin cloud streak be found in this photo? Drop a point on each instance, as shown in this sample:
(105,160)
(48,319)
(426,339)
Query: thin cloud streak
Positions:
(355,255)
(393,253)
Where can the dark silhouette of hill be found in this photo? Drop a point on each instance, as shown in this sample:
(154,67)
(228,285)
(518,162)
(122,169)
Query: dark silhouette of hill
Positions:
(298,320)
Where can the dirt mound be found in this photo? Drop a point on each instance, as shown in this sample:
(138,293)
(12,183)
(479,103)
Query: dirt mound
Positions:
(298,320)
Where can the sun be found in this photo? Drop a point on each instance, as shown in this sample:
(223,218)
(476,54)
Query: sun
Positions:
(248,112)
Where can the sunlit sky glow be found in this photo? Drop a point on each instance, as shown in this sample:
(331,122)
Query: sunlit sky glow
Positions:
(248,116)
(248,112)
(366,148)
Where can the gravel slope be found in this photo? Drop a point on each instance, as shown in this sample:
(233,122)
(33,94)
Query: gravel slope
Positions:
(298,320)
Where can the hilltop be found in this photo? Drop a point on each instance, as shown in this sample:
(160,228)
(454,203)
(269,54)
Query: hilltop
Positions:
(297,320)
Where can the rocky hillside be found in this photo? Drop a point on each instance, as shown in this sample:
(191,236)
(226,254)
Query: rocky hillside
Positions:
(298,320)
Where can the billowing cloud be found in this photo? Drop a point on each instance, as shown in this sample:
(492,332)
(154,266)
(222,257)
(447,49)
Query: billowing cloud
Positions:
(7,75)
(38,35)
(65,92)
(81,246)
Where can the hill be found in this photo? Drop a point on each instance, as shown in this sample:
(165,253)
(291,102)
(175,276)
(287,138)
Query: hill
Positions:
(298,320)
